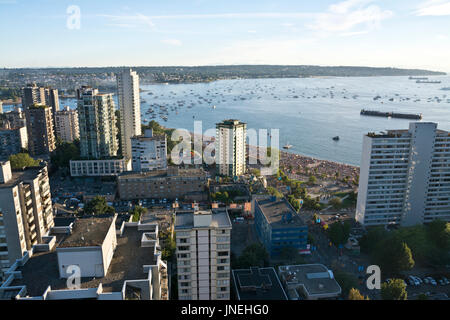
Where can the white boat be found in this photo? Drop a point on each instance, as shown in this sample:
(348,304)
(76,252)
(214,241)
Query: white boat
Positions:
(287,146)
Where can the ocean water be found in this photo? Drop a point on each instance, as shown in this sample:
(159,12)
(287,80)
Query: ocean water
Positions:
(308,112)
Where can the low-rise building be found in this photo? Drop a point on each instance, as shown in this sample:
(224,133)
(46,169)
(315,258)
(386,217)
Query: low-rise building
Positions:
(171,183)
(112,263)
(309,281)
(258,284)
(99,168)
(149,152)
(279,226)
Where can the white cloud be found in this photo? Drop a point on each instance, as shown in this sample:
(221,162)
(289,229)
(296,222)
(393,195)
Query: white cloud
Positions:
(434,8)
(172,42)
(129,20)
(344,17)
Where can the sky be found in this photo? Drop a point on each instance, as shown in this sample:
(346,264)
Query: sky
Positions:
(378,33)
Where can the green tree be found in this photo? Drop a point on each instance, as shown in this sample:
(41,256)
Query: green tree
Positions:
(22,160)
(372,239)
(64,152)
(394,290)
(98,206)
(254,255)
(438,232)
(137,213)
(339,233)
(395,256)
(347,281)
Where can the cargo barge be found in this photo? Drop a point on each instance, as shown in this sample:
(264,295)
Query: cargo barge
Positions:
(391,114)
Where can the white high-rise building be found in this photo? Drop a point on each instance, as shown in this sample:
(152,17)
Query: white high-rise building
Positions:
(26,212)
(231,147)
(67,128)
(203,255)
(149,152)
(405,176)
(130,109)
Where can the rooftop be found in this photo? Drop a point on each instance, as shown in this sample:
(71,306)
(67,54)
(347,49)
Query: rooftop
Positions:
(18,176)
(41,270)
(315,278)
(88,232)
(164,173)
(279,213)
(258,284)
(219,219)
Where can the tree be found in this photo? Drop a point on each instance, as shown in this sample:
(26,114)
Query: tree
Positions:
(372,239)
(65,151)
(22,160)
(395,256)
(394,290)
(137,212)
(289,253)
(254,255)
(347,281)
(98,206)
(354,294)
(438,232)
(339,233)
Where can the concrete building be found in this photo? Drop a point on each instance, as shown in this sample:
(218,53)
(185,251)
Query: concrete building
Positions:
(257,284)
(231,147)
(32,94)
(170,184)
(130,109)
(12,141)
(1,107)
(67,128)
(99,168)
(405,176)
(149,152)
(203,255)
(15,118)
(279,226)
(41,137)
(26,212)
(52,100)
(97,124)
(117,261)
(309,282)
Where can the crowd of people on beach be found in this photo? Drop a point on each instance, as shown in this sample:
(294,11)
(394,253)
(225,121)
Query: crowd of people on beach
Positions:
(302,165)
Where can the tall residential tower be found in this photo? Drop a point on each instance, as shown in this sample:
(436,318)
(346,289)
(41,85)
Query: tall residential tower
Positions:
(97,124)
(130,109)
(405,176)
(231,147)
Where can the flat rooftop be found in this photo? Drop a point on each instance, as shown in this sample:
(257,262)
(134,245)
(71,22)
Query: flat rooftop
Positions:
(28,174)
(163,173)
(316,278)
(275,210)
(185,219)
(88,232)
(258,284)
(41,270)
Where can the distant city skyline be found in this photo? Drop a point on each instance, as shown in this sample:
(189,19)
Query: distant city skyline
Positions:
(373,33)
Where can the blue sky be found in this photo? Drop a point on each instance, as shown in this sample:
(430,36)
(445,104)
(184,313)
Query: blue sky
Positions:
(400,33)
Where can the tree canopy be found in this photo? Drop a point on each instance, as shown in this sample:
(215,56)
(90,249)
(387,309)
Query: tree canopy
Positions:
(254,255)
(339,233)
(354,294)
(22,160)
(394,290)
(98,206)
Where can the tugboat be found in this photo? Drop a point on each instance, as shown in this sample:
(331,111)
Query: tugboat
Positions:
(336,138)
